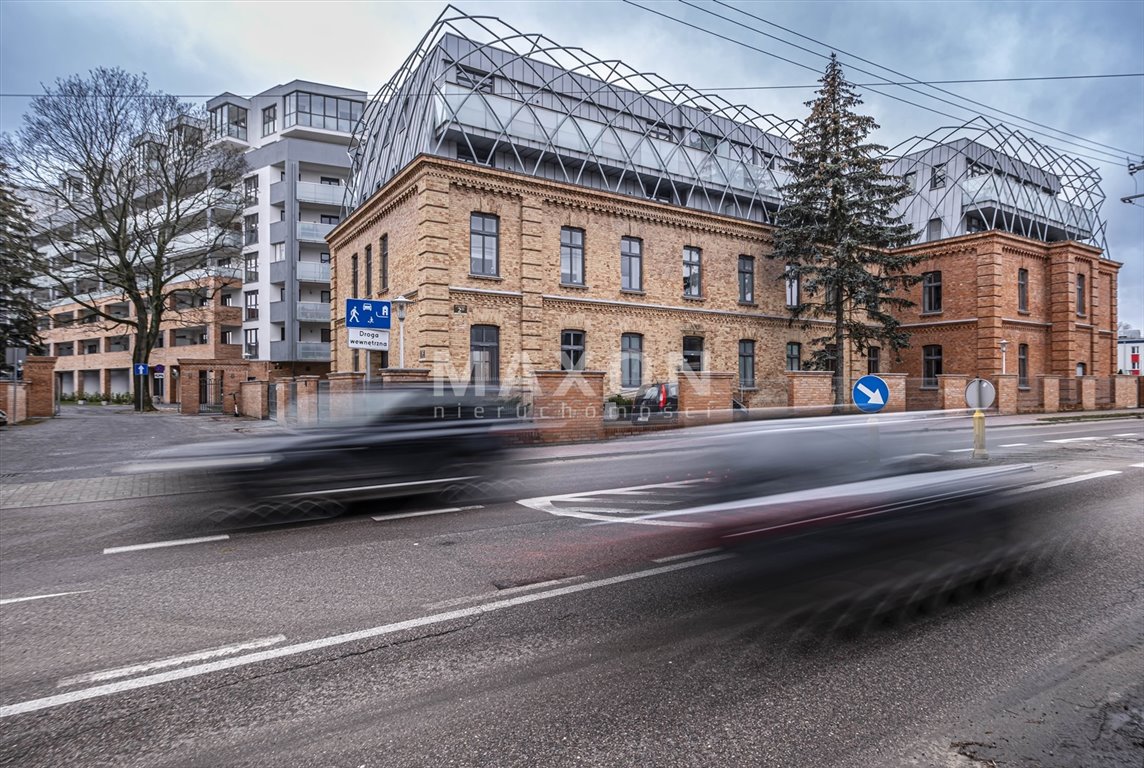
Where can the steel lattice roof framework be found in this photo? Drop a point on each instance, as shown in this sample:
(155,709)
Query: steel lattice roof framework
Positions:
(564,114)
(1005,180)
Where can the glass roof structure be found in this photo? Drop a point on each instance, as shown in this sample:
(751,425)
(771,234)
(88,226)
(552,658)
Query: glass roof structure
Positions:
(478,90)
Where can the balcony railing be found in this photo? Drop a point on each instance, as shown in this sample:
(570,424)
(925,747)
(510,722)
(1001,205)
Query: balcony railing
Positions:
(313,272)
(321,194)
(982,190)
(278,312)
(312,232)
(311,351)
(313,312)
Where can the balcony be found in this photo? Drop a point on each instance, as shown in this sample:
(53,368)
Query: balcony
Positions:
(279,312)
(306,271)
(320,194)
(278,231)
(312,312)
(312,232)
(202,239)
(308,351)
(989,192)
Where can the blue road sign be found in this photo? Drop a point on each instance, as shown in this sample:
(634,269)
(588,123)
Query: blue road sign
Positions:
(141,369)
(870,394)
(367,313)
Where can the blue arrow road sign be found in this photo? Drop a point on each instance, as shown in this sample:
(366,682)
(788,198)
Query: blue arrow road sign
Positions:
(367,313)
(141,369)
(870,394)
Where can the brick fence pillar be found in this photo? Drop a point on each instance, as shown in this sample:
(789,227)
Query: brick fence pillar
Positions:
(14,400)
(283,389)
(1086,392)
(705,397)
(345,387)
(1006,393)
(951,391)
(569,405)
(896,400)
(1124,392)
(306,400)
(40,377)
(809,389)
(1050,393)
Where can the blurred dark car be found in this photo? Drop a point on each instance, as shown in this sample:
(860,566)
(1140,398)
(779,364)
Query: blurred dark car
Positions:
(3,419)
(406,442)
(655,402)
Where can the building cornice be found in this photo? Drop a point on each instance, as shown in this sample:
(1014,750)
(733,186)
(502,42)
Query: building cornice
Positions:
(940,323)
(659,308)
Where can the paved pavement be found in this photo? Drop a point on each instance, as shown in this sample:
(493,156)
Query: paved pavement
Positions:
(78,456)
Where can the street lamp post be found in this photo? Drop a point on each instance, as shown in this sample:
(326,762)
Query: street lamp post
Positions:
(400,303)
(1004,346)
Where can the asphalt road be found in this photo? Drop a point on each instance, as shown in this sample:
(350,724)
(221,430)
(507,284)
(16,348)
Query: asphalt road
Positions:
(559,631)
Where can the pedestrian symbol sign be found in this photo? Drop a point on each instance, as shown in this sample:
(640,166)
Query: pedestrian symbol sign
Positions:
(141,369)
(367,313)
(870,394)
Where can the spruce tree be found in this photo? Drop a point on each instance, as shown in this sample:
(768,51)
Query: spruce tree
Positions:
(18,311)
(837,233)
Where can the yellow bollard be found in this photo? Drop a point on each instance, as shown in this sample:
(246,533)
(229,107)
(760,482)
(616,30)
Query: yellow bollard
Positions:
(979,451)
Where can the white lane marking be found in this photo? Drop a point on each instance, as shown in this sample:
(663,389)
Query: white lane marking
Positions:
(442,511)
(159,544)
(8,600)
(1138,466)
(99,691)
(1074,439)
(509,591)
(1127,434)
(354,488)
(1065,481)
(173,661)
(685,555)
(959,450)
(590,510)
(1012,445)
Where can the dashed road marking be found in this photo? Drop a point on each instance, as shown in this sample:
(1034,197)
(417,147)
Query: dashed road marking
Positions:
(1074,439)
(173,661)
(1127,434)
(685,555)
(1138,466)
(8,600)
(442,511)
(1012,445)
(1065,481)
(596,506)
(959,450)
(159,544)
(509,591)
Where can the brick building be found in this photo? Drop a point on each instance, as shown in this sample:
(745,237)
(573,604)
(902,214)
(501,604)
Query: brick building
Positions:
(514,190)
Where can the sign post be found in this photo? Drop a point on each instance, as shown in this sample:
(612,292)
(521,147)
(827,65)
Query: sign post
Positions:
(367,324)
(979,394)
(140,388)
(870,395)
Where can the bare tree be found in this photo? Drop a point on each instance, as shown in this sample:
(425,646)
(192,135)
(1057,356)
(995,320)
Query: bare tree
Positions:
(137,202)
(18,309)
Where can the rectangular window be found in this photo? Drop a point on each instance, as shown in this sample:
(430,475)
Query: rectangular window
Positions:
(383,262)
(250,267)
(873,360)
(1080,296)
(250,191)
(937,176)
(324,257)
(474,80)
(571,350)
(251,305)
(910,179)
(326,218)
(1023,365)
(484,354)
(931,365)
(228,121)
(631,264)
(793,288)
(933,230)
(631,360)
(324,297)
(571,256)
(250,348)
(793,356)
(325,112)
(228,299)
(324,334)
(369,271)
(747,279)
(692,271)
(931,292)
(330,181)
(1022,290)
(354,275)
(693,353)
(269,120)
(484,244)
(250,229)
(746,364)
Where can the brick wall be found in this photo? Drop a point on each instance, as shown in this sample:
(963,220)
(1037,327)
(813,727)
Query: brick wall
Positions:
(14,400)
(39,375)
(705,397)
(568,406)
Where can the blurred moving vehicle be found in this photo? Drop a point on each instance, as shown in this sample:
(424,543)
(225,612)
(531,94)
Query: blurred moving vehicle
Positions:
(404,442)
(3,419)
(655,402)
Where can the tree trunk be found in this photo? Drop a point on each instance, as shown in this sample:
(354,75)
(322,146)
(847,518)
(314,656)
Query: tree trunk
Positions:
(141,384)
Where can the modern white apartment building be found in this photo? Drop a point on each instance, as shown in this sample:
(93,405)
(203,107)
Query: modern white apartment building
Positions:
(295,136)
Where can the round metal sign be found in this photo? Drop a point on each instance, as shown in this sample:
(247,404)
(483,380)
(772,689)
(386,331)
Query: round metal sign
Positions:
(979,394)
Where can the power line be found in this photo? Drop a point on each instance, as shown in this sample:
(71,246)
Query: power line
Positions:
(813,69)
(925,82)
(902,74)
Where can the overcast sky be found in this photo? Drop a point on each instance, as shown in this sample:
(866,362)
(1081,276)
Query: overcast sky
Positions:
(200,49)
